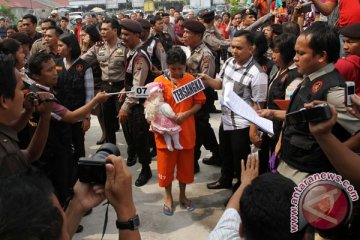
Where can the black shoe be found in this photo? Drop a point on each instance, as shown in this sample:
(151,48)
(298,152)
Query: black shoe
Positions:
(153,153)
(144,176)
(100,142)
(219,185)
(79,229)
(131,161)
(196,167)
(214,110)
(212,161)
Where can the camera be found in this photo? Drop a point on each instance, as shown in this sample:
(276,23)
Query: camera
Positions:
(34,95)
(318,113)
(349,91)
(92,170)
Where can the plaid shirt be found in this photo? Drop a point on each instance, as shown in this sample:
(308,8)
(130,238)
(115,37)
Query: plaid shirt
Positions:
(249,81)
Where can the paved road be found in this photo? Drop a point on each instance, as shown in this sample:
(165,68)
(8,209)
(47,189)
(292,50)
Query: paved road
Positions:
(149,200)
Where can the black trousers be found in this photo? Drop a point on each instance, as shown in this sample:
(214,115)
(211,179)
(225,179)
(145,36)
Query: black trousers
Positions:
(110,111)
(136,132)
(234,146)
(205,135)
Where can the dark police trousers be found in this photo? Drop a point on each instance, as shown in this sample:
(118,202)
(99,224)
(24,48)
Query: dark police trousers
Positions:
(136,133)
(110,110)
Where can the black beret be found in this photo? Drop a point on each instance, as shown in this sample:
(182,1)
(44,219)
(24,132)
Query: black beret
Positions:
(247,11)
(165,14)
(208,16)
(131,25)
(194,26)
(144,23)
(351,31)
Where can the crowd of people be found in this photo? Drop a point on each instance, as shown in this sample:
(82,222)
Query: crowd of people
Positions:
(278,58)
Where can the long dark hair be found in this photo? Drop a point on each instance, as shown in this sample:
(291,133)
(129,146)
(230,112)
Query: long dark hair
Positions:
(10,46)
(71,41)
(93,32)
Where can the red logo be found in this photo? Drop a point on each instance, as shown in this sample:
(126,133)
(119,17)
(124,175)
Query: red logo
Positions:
(325,205)
(79,67)
(317,86)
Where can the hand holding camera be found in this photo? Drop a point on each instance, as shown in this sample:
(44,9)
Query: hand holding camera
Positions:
(316,111)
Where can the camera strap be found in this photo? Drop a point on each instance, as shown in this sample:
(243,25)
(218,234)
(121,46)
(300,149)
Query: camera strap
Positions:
(105,219)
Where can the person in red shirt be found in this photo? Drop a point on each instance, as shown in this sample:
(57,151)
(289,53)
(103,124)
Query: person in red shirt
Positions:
(225,23)
(349,67)
(349,10)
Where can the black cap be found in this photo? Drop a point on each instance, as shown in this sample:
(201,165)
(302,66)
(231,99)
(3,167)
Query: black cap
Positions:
(351,31)
(165,14)
(144,23)
(208,16)
(131,25)
(247,11)
(194,26)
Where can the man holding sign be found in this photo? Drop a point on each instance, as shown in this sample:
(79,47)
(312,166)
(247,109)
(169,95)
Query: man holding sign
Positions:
(244,76)
(131,114)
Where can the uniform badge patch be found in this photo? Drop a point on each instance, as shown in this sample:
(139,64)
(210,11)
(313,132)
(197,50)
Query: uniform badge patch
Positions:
(79,67)
(317,86)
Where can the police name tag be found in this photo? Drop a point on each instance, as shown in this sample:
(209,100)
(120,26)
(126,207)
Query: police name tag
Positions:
(141,92)
(188,90)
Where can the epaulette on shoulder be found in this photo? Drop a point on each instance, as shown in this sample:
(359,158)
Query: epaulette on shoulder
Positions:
(100,43)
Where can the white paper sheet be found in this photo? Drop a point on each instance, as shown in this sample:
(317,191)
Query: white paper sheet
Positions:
(241,108)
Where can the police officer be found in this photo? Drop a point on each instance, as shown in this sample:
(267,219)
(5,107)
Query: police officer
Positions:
(201,60)
(131,114)
(110,54)
(153,48)
(212,38)
(157,31)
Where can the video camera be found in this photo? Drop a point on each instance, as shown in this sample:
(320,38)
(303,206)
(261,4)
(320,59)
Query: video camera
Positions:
(92,170)
(321,112)
(34,95)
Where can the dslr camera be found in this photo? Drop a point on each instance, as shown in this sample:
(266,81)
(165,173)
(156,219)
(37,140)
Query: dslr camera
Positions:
(92,170)
(321,112)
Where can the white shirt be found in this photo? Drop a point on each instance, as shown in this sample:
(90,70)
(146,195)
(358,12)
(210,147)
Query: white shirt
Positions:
(227,227)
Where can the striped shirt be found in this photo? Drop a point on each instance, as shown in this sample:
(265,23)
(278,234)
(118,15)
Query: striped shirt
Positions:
(227,227)
(249,82)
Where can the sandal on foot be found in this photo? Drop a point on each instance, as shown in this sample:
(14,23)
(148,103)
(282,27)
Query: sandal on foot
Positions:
(188,205)
(168,211)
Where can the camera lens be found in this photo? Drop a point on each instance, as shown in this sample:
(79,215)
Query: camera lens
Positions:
(105,150)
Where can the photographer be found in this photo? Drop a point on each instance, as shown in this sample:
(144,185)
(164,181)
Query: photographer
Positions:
(12,118)
(39,215)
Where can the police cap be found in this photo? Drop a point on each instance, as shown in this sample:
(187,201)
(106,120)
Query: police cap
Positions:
(351,31)
(144,23)
(131,25)
(208,16)
(194,26)
(165,14)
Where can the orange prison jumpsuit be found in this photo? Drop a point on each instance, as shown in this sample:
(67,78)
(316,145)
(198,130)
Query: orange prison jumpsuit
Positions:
(182,159)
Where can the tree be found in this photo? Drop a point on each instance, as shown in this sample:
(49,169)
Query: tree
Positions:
(6,12)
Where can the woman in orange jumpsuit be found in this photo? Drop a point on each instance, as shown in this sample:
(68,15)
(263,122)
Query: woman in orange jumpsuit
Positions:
(185,110)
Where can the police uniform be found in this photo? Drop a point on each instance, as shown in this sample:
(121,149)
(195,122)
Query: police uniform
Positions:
(299,149)
(112,65)
(153,47)
(37,46)
(12,161)
(136,128)
(165,40)
(201,60)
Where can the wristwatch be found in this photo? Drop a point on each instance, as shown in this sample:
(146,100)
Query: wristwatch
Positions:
(132,224)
